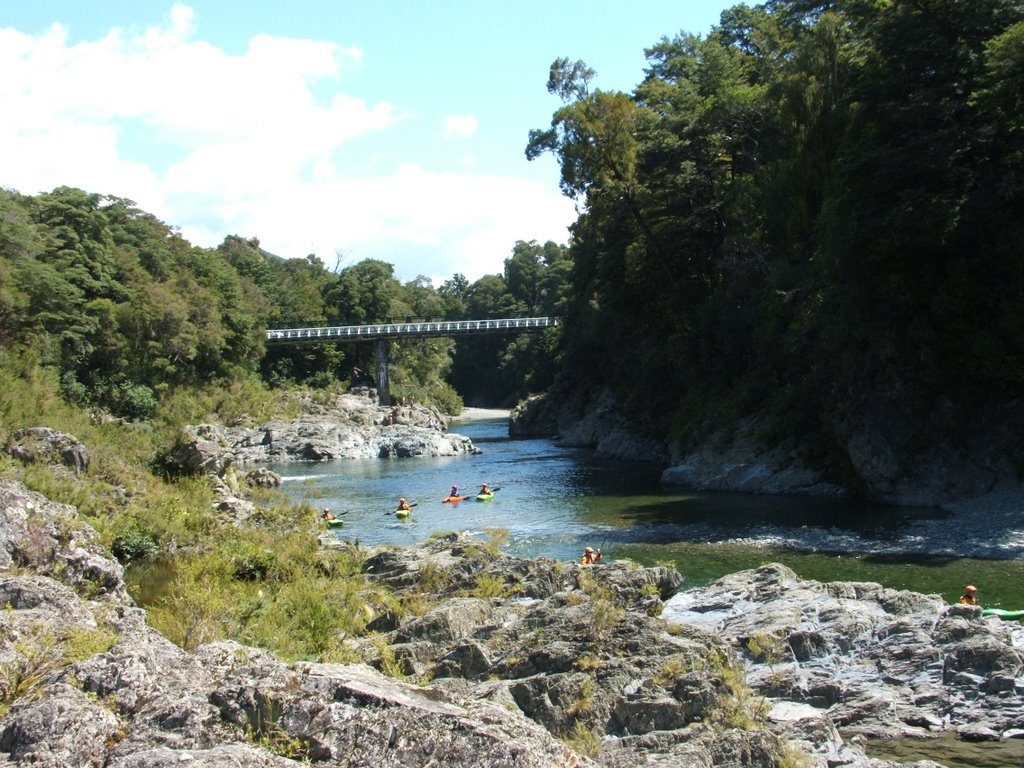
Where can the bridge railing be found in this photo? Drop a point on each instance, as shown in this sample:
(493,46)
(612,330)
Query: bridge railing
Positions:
(373,331)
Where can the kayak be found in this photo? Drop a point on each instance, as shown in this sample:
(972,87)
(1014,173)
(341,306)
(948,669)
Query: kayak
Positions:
(453,499)
(484,496)
(403,512)
(1001,613)
(334,523)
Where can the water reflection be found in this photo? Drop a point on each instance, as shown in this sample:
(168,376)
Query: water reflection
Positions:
(949,751)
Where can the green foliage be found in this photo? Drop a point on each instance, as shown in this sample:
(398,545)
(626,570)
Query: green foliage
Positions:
(133,545)
(496,539)
(605,612)
(738,706)
(584,702)
(766,648)
(811,197)
(264,728)
(489,585)
(389,663)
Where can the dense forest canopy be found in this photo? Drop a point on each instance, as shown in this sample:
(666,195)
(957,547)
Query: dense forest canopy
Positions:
(814,198)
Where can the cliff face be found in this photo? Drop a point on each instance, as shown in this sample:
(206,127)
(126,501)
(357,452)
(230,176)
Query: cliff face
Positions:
(886,447)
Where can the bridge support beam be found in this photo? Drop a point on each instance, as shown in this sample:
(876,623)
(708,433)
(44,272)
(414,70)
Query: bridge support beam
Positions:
(383,387)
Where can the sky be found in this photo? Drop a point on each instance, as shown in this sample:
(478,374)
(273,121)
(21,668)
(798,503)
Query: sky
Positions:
(349,130)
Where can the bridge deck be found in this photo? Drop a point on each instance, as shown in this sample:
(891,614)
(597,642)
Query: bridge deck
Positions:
(376,331)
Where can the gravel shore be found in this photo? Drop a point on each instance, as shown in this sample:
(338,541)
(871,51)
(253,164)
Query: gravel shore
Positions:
(481,414)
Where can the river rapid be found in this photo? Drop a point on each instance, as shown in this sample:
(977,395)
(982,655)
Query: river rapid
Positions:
(553,501)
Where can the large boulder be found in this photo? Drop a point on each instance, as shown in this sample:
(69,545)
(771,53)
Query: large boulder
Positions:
(349,427)
(48,446)
(49,539)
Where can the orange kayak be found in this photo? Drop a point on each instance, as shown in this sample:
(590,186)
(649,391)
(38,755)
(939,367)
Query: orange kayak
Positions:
(453,499)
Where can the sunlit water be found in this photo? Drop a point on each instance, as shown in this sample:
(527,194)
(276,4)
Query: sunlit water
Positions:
(553,501)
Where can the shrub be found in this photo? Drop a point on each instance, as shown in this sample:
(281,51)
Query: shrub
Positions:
(583,740)
(133,545)
(489,585)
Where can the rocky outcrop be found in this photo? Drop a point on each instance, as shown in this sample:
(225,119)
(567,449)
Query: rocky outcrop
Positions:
(909,453)
(891,448)
(86,683)
(737,461)
(349,427)
(578,421)
(584,649)
(875,661)
(48,446)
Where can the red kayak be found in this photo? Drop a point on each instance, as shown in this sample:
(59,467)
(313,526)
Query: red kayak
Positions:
(453,499)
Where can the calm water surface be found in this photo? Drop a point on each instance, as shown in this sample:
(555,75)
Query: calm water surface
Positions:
(554,501)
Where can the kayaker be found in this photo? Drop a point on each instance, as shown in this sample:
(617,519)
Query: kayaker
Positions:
(590,556)
(326,514)
(453,492)
(403,505)
(970,595)
(484,490)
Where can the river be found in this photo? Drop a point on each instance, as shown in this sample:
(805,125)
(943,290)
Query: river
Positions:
(554,501)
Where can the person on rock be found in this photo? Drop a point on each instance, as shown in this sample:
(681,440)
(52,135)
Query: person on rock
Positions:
(970,595)
(590,556)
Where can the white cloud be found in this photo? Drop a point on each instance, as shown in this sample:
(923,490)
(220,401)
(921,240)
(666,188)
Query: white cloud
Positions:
(460,126)
(421,222)
(218,144)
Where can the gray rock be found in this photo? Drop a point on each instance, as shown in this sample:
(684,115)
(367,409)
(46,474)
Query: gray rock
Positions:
(59,728)
(565,650)
(350,427)
(594,421)
(48,446)
(261,477)
(47,538)
(876,661)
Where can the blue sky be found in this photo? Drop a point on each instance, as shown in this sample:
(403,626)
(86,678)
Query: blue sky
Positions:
(352,130)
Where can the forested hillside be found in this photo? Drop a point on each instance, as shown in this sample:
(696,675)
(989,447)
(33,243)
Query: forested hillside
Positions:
(128,313)
(815,200)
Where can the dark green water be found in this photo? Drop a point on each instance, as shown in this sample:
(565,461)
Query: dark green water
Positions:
(950,752)
(554,501)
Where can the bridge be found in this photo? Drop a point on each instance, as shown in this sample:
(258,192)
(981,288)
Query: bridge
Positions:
(381,333)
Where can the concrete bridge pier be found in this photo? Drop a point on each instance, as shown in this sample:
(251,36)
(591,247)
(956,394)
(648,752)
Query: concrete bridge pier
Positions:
(383,387)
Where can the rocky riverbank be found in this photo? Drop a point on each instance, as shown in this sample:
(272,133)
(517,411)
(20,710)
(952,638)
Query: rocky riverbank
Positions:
(511,662)
(893,450)
(349,426)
